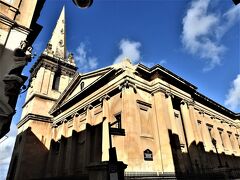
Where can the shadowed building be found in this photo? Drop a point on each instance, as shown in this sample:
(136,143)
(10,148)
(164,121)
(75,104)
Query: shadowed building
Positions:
(18,30)
(170,128)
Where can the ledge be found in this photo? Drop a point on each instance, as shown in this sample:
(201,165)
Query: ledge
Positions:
(34,117)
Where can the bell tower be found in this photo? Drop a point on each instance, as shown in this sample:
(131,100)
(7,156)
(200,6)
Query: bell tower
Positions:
(50,75)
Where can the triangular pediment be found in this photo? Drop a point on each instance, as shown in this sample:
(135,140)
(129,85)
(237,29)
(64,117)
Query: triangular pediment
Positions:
(84,82)
(80,83)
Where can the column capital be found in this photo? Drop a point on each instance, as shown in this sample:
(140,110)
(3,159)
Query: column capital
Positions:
(63,121)
(126,84)
(104,97)
(159,89)
(223,121)
(89,106)
(54,125)
(168,94)
(76,114)
(184,101)
(191,103)
(202,112)
(212,116)
(232,125)
(164,91)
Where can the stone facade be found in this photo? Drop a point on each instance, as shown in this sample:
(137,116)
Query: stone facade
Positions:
(170,128)
(18,30)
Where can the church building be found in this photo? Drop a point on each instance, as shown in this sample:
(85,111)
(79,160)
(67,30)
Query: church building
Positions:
(160,125)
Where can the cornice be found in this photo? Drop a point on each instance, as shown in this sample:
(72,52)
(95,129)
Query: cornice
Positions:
(131,82)
(54,64)
(38,95)
(34,117)
(166,72)
(9,22)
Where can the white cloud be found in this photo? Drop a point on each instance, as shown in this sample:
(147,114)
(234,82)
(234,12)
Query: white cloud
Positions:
(233,97)
(129,49)
(84,62)
(230,18)
(6,148)
(202,31)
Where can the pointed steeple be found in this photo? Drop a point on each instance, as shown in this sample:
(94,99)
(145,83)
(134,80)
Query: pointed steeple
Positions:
(57,43)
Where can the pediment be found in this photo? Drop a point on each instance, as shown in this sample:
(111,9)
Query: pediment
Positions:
(78,84)
(81,85)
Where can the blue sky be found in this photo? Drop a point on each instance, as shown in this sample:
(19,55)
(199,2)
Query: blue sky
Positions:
(197,40)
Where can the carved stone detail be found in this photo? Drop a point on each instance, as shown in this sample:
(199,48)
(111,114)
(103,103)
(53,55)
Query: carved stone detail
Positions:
(191,103)
(88,107)
(71,58)
(183,102)
(107,97)
(14,80)
(168,94)
(128,84)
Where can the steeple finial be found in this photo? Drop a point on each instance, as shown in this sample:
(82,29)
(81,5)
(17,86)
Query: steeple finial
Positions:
(57,43)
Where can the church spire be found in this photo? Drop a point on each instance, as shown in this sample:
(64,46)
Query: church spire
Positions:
(57,43)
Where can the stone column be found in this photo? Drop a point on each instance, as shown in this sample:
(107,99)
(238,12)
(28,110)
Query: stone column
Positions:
(62,129)
(236,150)
(171,113)
(129,121)
(227,142)
(206,136)
(199,128)
(71,145)
(164,141)
(75,123)
(89,114)
(50,164)
(219,143)
(54,132)
(193,121)
(187,122)
(105,128)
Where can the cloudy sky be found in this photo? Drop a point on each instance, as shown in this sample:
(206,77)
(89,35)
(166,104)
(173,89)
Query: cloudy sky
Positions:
(198,40)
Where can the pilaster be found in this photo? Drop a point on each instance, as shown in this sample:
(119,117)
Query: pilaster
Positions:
(236,149)
(219,143)
(129,109)
(171,113)
(187,123)
(105,128)
(193,121)
(227,142)
(164,141)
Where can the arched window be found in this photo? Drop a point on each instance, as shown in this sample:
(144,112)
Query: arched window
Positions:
(82,85)
(56,81)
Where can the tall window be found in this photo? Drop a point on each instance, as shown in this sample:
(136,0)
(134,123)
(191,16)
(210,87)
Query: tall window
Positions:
(56,81)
